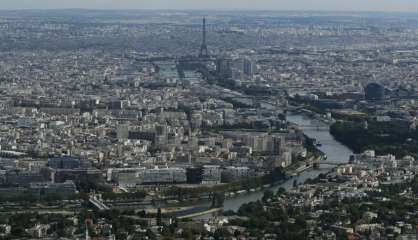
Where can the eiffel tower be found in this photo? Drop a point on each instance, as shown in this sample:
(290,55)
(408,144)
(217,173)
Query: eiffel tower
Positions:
(204,48)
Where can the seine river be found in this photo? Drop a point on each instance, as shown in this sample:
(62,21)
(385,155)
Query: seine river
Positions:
(335,151)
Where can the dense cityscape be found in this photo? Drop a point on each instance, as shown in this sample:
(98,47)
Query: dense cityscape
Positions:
(140,124)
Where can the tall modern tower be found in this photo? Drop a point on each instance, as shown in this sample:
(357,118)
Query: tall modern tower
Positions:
(204,48)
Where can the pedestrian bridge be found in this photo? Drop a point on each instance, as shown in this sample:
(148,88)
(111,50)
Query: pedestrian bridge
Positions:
(97,203)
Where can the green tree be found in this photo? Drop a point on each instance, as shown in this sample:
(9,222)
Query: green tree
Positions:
(268,194)
(159,217)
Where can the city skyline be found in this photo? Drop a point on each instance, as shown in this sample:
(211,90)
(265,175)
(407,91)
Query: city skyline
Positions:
(318,5)
(181,119)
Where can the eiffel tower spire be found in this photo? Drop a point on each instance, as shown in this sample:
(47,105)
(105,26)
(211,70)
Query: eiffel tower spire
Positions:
(204,48)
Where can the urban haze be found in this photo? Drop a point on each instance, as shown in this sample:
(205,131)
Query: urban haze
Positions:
(319,5)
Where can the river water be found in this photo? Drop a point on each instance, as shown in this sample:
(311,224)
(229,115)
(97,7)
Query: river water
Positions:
(336,152)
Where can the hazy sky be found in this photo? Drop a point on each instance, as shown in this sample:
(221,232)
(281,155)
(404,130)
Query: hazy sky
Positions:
(350,5)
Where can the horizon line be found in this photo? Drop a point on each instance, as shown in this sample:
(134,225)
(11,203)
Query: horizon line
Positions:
(216,10)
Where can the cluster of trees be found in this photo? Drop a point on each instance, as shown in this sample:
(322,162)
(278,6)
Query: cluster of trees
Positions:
(30,197)
(262,220)
(297,100)
(209,76)
(414,185)
(262,217)
(138,195)
(19,222)
(123,222)
(217,200)
(88,183)
(384,137)
(274,176)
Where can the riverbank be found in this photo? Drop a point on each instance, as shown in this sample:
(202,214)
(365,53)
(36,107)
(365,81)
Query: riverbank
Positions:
(196,195)
(334,150)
